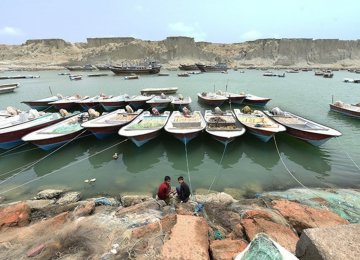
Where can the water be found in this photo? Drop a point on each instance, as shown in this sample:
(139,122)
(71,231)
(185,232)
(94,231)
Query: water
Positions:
(248,166)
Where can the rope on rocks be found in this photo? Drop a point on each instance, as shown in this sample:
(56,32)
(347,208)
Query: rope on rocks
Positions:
(218,169)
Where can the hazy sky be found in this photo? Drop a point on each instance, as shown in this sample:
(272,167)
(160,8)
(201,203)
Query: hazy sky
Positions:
(215,21)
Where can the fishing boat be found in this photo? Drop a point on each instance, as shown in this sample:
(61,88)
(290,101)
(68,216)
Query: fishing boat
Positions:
(145,127)
(233,97)
(346,109)
(223,126)
(68,103)
(75,77)
(183,75)
(11,116)
(91,102)
(137,100)
(111,103)
(212,68)
(42,104)
(158,91)
(58,134)
(211,99)
(160,102)
(11,136)
(301,128)
(258,124)
(87,67)
(181,101)
(102,67)
(185,126)
(131,77)
(98,75)
(188,67)
(255,100)
(150,68)
(110,123)
(7,88)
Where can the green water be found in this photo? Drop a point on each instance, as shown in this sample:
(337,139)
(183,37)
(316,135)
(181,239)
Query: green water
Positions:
(248,164)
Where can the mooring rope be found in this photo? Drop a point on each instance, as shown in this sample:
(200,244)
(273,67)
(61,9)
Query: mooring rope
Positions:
(12,149)
(218,169)
(347,154)
(187,166)
(67,166)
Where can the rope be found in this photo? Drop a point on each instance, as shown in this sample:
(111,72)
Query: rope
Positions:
(35,148)
(187,167)
(348,155)
(218,169)
(48,174)
(18,146)
(37,161)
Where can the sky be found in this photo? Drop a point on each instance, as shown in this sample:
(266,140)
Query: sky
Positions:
(225,21)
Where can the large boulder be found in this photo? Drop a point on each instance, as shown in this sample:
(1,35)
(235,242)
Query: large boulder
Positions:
(69,197)
(139,208)
(49,194)
(15,215)
(84,209)
(130,200)
(164,225)
(39,204)
(215,198)
(226,249)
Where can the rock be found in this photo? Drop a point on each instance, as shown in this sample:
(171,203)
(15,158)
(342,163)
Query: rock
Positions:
(331,243)
(168,210)
(257,214)
(49,194)
(226,249)
(107,256)
(85,209)
(216,198)
(106,201)
(69,197)
(302,217)
(35,250)
(281,234)
(150,204)
(15,215)
(39,204)
(130,200)
(189,233)
(2,199)
(185,209)
(165,224)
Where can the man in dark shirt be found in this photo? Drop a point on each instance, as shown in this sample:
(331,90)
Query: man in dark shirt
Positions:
(183,190)
(164,190)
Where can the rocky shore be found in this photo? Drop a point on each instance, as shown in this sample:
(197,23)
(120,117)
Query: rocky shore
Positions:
(59,224)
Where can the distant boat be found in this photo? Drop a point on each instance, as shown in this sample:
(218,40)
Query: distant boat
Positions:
(188,67)
(111,103)
(131,77)
(150,68)
(212,68)
(160,102)
(20,77)
(7,88)
(103,67)
(145,127)
(163,74)
(185,127)
(258,124)
(346,109)
(304,129)
(98,75)
(68,103)
(86,67)
(319,73)
(183,75)
(328,74)
(255,100)
(181,101)
(42,104)
(211,99)
(75,77)
(64,73)
(137,101)
(110,123)
(150,91)
(223,126)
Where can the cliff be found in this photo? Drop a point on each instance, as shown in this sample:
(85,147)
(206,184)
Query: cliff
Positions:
(55,53)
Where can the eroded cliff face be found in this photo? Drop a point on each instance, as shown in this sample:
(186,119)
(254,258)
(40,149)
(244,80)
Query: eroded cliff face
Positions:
(55,53)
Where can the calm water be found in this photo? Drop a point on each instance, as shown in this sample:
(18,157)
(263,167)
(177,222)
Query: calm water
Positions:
(248,165)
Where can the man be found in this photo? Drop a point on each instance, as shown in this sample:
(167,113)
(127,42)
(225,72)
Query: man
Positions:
(183,190)
(164,191)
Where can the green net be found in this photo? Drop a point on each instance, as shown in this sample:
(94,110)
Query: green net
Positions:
(262,248)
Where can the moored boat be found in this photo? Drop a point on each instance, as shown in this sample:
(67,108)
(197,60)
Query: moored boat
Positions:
(91,102)
(258,124)
(160,102)
(233,97)
(304,129)
(223,126)
(75,77)
(145,127)
(131,77)
(68,103)
(181,101)
(188,67)
(150,68)
(212,68)
(150,91)
(346,109)
(211,99)
(87,67)
(58,134)
(183,75)
(255,100)
(110,123)
(7,88)
(186,125)
(42,104)
(137,100)
(111,103)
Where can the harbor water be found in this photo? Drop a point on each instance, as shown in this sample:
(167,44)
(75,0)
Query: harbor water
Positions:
(244,167)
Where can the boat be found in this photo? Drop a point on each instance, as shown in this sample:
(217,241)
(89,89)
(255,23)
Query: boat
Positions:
(150,68)
(346,109)
(186,125)
(58,134)
(258,124)
(180,101)
(301,128)
(255,100)
(163,74)
(111,103)
(328,74)
(98,75)
(20,77)
(212,68)
(233,97)
(137,101)
(269,74)
(68,103)
(8,88)
(160,102)
(188,67)
(223,126)
(64,73)
(11,116)
(110,123)
(42,104)
(75,77)
(131,77)
(145,127)
(86,67)
(211,99)
(102,67)
(319,73)
(155,91)
(9,112)
(11,136)
(182,75)
(91,102)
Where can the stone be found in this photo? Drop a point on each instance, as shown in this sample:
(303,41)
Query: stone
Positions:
(35,250)
(39,204)
(216,198)
(257,214)
(184,209)
(150,204)
(130,200)
(226,249)
(331,243)
(69,197)
(84,209)
(301,217)
(15,215)
(49,194)
(2,198)
(188,240)
(164,225)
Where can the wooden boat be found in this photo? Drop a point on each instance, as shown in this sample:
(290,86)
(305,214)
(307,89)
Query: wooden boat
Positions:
(42,104)
(183,75)
(91,102)
(103,67)
(150,68)
(145,127)
(160,102)
(18,117)
(98,75)
(211,99)
(131,77)
(8,88)
(110,123)
(212,68)
(137,100)
(20,77)
(163,74)
(68,103)
(185,126)
(112,103)
(58,134)
(302,128)
(180,101)
(346,109)
(158,91)
(255,100)
(188,67)
(223,126)
(75,77)
(11,136)
(233,97)
(86,67)
(258,124)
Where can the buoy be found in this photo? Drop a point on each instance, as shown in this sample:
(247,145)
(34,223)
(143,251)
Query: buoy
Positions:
(92,180)
(86,181)
(115,156)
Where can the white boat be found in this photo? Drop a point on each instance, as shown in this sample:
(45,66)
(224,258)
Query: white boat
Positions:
(255,100)
(346,109)
(110,123)
(75,77)
(211,99)
(145,127)
(7,88)
(92,102)
(185,126)
(137,101)
(233,97)
(42,104)
(181,101)
(223,126)
(302,128)
(112,103)
(258,124)
(160,102)
(21,117)
(68,103)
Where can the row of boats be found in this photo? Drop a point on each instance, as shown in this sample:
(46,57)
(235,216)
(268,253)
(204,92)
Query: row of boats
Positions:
(51,130)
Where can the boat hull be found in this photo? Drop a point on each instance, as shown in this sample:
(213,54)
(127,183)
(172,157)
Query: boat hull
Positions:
(223,140)
(345,111)
(110,106)
(38,105)
(125,71)
(66,106)
(260,103)
(312,138)
(185,138)
(88,105)
(140,140)
(264,136)
(209,102)
(104,132)
(236,100)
